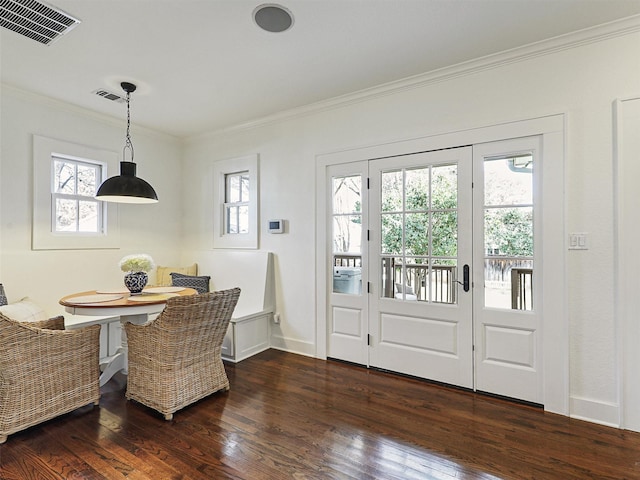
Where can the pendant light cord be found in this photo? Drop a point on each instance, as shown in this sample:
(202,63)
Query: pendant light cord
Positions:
(128,144)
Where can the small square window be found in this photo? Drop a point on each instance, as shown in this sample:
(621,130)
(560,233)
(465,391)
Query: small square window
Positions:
(236,209)
(66,214)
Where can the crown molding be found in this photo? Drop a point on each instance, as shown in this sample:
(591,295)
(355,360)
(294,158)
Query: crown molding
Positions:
(81,111)
(618,28)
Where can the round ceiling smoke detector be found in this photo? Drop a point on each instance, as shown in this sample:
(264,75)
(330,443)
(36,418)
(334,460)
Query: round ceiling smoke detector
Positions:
(273,18)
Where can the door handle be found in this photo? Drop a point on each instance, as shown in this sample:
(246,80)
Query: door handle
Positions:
(465,278)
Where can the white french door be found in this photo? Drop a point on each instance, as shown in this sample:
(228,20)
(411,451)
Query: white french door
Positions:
(419,250)
(433,268)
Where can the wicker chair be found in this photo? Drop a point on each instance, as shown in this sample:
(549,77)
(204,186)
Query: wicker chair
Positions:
(175,359)
(45,371)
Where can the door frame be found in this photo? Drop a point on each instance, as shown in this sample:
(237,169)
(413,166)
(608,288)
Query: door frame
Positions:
(555,324)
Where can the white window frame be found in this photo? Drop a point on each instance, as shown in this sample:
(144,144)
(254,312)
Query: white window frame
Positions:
(44,237)
(221,169)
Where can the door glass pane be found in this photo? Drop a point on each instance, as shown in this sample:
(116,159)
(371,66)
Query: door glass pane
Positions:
(416,233)
(413,285)
(391,233)
(443,281)
(508,232)
(445,187)
(444,226)
(419,228)
(392,275)
(392,190)
(417,189)
(347,234)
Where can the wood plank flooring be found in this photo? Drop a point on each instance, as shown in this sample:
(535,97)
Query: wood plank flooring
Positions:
(293,417)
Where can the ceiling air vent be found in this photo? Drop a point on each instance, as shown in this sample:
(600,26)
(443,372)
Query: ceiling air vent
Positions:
(110,96)
(35,20)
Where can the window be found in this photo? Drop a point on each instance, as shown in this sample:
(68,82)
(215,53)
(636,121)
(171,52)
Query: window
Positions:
(74,208)
(66,214)
(236,204)
(235,217)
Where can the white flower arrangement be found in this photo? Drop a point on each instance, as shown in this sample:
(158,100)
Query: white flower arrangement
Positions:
(139,262)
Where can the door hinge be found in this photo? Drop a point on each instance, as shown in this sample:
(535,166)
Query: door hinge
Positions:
(367,183)
(368,235)
(368,287)
(368,339)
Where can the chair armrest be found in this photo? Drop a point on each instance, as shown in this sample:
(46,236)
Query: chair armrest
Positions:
(53,323)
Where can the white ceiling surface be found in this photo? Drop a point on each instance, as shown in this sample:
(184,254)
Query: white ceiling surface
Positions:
(203,65)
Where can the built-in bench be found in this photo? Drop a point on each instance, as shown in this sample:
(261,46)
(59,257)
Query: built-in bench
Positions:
(250,328)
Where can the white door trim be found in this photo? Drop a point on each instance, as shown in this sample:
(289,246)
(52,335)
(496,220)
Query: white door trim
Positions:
(626,149)
(555,327)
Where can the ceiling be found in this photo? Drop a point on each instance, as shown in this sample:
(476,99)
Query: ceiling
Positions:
(204,65)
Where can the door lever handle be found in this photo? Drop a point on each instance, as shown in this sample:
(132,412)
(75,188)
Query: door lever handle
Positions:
(465,278)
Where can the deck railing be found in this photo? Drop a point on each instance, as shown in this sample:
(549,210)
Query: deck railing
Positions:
(442,279)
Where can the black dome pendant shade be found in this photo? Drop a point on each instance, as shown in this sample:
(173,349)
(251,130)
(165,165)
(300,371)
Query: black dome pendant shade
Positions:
(127,187)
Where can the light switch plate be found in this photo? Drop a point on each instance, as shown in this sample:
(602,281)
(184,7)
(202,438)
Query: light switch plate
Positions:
(578,241)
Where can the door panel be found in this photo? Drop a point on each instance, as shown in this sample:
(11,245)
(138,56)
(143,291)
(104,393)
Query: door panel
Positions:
(348,309)
(507,308)
(420,317)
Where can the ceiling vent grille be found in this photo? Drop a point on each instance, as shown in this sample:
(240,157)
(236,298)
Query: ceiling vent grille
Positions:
(35,20)
(110,96)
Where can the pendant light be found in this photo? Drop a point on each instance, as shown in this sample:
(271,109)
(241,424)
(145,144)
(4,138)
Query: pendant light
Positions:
(126,187)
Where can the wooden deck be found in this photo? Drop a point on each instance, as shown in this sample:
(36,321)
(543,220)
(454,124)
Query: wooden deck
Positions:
(293,417)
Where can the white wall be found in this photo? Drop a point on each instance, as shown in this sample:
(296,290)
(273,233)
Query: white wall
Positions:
(582,81)
(46,276)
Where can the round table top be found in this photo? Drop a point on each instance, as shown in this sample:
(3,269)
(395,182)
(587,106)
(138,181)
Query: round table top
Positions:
(118,299)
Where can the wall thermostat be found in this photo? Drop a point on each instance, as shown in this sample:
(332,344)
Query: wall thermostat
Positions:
(276,226)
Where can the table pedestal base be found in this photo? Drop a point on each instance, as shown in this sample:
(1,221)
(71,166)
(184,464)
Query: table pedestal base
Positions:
(119,361)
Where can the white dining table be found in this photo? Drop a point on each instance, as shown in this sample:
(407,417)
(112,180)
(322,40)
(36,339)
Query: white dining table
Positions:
(129,308)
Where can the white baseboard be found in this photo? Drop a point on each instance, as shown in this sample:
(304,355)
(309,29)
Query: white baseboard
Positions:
(292,345)
(603,413)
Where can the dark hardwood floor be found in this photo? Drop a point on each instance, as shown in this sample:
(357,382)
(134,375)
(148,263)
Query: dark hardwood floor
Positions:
(289,416)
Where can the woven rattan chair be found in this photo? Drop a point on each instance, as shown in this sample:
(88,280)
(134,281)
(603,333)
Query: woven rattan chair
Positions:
(45,371)
(175,359)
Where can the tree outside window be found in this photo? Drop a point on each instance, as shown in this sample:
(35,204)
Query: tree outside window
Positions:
(75,210)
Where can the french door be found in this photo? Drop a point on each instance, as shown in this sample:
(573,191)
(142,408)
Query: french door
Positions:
(419,250)
(433,266)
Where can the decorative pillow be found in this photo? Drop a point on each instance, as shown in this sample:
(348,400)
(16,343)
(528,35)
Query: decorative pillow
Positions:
(24,311)
(3,296)
(163,274)
(201,283)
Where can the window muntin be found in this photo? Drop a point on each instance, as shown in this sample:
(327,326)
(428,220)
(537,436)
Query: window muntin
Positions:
(74,185)
(419,233)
